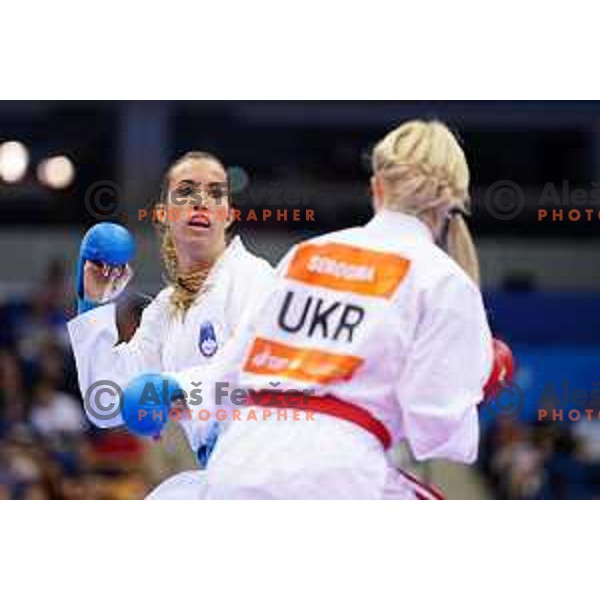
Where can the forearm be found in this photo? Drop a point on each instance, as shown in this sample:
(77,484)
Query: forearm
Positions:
(102,365)
(454,438)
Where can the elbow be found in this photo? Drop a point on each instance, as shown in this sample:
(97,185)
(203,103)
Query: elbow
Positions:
(104,417)
(453,440)
(455,452)
(99,422)
(104,421)
(102,403)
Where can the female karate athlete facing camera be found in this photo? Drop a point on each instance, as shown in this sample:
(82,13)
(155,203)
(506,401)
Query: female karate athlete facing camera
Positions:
(213,285)
(386,330)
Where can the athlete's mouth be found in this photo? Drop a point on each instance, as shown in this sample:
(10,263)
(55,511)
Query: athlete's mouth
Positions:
(200,219)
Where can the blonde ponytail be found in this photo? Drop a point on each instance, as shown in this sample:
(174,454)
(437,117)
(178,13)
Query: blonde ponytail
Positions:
(424,172)
(461,247)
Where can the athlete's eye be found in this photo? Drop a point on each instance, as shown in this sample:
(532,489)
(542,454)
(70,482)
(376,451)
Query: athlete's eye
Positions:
(184,191)
(217,190)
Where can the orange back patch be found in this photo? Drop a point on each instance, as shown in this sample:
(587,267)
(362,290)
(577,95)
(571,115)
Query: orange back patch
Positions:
(268,357)
(348,269)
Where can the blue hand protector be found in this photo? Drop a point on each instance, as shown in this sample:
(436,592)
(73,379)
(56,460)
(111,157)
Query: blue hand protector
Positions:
(146,403)
(106,243)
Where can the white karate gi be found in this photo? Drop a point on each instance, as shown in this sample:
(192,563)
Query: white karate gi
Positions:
(377,316)
(236,285)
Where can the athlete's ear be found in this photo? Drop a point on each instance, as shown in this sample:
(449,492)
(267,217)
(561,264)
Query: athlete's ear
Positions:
(377,193)
(229,220)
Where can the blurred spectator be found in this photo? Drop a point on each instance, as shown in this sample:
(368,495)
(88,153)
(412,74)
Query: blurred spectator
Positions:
(512,460)
(12,395)
(47,448)
(54,412)
(49,451)
(542,461)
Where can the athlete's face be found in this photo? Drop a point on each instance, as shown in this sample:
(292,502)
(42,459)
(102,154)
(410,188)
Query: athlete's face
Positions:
(198,209)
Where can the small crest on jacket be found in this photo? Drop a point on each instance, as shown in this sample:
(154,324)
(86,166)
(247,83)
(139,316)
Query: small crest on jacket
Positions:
(207,340)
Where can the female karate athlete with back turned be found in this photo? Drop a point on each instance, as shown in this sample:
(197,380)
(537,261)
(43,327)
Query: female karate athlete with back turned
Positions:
(213,285)
(386,330)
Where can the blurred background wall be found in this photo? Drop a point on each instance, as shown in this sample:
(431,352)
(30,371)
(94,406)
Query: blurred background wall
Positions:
(304,155)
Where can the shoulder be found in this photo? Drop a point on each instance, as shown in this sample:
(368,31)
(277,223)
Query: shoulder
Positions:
(162,299)
(444,281)
(347,235)
(256,263)
(246,262)
(246,275)
(158,309)
(445,270)
(434,276)
(342,236)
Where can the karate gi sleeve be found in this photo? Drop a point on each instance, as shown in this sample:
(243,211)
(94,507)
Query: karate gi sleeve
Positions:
(447,366)
(104,366)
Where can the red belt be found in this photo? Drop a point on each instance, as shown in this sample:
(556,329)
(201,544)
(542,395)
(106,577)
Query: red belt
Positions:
(328,405)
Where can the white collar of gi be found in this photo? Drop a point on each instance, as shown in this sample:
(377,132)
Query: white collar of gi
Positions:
(392,220)
(233,249)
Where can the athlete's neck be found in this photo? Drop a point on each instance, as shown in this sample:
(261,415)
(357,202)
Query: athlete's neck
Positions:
(189,263)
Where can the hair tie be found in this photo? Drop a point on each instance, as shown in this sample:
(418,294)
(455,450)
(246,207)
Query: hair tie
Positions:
(458,210)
